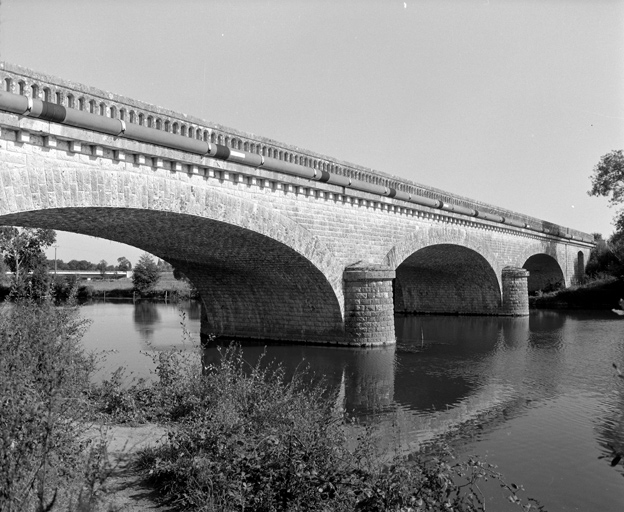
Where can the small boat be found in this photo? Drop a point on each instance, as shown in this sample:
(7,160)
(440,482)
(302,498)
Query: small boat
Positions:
(621,310)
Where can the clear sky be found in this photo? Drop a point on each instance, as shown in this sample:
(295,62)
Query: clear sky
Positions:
(508,102)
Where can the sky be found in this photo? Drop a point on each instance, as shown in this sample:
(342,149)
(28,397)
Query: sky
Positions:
(508,102)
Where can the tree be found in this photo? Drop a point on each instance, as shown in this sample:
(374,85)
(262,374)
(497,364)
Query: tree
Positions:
(608,177)
(80,265)
(146,274)
(101,267)
(4,279)
(163,266)
(23,252)
(124,264)
(607,180)
(603,258)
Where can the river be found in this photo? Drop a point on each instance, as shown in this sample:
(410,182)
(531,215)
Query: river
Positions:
(536,396)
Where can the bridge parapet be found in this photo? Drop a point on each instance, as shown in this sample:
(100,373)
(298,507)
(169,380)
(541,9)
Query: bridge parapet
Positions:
(25,82)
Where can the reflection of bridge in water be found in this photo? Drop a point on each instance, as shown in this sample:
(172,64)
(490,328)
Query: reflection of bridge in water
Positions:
(427,384)
(282,243)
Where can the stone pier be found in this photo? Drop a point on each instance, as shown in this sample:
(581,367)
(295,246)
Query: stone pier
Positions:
(515,292)
(369,307)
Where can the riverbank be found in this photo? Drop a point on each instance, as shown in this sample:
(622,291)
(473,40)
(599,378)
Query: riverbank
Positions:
(125,487)
(238,435)
(600,294)
(167,288)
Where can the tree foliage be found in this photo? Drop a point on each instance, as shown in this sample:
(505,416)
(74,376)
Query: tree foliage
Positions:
(47,460)
(124,264)
(102,266)
(607,180)
(608,177)
(23,252)
(146,274)
(605,258)
(76,265)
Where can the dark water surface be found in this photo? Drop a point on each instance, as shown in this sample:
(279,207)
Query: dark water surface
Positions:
(536,396)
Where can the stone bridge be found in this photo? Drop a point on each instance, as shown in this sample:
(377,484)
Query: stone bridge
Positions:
(281,242)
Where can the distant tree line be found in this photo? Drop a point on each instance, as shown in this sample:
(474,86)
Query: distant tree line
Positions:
(123,264)
(26,271)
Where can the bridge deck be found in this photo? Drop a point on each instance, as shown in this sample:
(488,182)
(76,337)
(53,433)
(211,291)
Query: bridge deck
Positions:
(22,81)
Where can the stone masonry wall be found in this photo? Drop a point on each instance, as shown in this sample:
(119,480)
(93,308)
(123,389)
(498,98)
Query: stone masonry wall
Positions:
(515,291)
(369,310)
(446,278)
(277,235)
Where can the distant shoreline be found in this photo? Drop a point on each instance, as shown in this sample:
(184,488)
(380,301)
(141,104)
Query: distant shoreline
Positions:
(167,288)
(600,294)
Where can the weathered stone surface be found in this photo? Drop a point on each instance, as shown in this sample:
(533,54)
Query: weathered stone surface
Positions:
(515,291)
(369,312)
(274,256)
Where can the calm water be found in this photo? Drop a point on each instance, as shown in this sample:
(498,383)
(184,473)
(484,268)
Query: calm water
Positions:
(536,396)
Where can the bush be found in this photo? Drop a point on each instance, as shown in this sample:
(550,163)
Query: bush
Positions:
(45,460)
(64,288)
(247,438)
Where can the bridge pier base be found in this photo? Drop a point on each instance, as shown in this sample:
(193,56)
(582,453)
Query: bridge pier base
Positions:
(369,306)
(515,291)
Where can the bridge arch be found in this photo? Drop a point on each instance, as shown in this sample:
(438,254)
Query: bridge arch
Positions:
(260,274)
(545,273)
(444,271)
(447,279)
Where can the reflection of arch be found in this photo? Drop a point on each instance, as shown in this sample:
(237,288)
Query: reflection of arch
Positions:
(446,278)
(544,273)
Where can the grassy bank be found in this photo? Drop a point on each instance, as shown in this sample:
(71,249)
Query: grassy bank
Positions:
(238,437)
(598,294)
(167,287)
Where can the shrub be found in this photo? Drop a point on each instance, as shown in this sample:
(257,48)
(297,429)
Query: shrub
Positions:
(45,461)
(247,438)
(64,288)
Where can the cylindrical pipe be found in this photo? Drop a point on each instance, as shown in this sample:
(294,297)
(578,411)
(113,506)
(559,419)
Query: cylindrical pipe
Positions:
(273,164)
(459,209)
(15,103)
(339,180)
(365,186)
(489,216)
(514,222)
(242,157)
(81,119)
(419,200)
(162,138)
(22,105)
